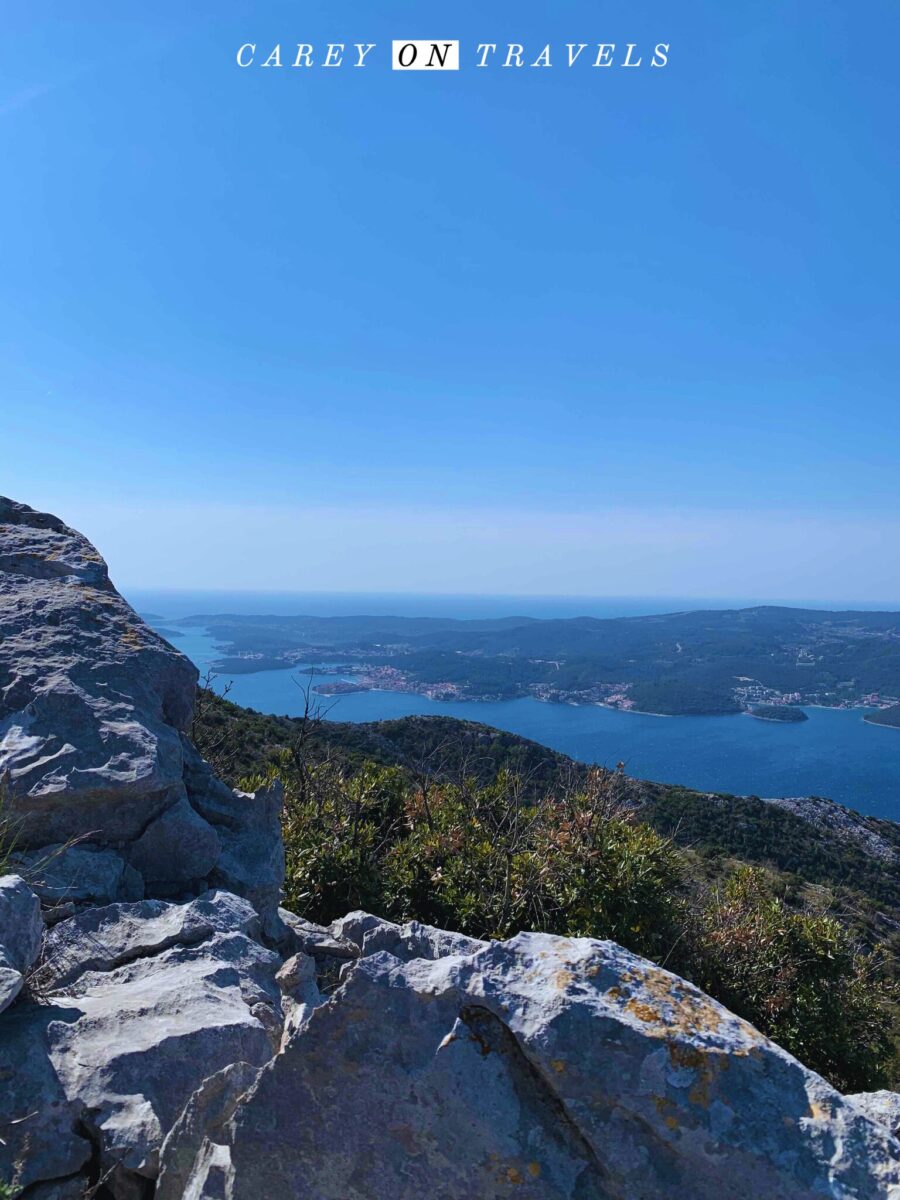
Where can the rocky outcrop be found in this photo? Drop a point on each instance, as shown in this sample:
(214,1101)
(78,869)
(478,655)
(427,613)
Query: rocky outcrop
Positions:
(94,707)
(541,1067)
(843,823)
(166,1031)
(881,1107)
(135,1005)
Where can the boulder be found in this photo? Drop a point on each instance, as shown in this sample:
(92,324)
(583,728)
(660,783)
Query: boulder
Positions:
(881,1107)
(406,942)
(91,700)
(305,937)
(176,848)
(21,929)
(139,1004)
(213,1102)
(101,939)
(11,982)
(94,711)
(82,873)
(543,1068)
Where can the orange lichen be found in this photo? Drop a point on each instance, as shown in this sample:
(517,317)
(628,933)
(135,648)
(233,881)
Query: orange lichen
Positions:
(644,1012)
(818,1112)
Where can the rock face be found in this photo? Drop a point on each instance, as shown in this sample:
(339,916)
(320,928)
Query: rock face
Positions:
(140,1003)
(541,1067)
(93,711)
(166,1031)
(881,1107)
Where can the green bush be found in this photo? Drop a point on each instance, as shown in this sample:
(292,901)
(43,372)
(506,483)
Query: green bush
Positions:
(490,862)
(484,860)
(797,977)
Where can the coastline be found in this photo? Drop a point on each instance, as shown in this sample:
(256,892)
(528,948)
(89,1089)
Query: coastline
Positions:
(879,724)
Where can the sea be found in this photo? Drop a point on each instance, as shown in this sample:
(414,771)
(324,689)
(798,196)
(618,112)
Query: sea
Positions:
(835,753)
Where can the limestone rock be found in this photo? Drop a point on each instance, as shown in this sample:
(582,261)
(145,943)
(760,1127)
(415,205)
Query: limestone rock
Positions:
(141,1002)
(93,711)
(102,939)
(881,1107)
(305,937)
(542,1068)
(248,825)
(91,700)
(406,942)
(76,1187)
(176,848)
(80,873)
(21,929)
(11,983)
(214,1102)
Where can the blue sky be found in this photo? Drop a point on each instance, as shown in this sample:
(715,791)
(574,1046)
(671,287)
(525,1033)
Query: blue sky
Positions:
(519,331)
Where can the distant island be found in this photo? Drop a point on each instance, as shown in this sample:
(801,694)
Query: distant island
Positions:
(887,716)
(779,712)
(340,689)
(698,663)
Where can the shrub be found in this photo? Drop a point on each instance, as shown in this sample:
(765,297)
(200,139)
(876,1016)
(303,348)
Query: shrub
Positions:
(796,976)
(489,861)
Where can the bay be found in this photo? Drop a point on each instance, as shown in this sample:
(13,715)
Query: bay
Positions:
(835,753)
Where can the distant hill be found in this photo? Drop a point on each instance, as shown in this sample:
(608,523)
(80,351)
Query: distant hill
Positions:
(677,663)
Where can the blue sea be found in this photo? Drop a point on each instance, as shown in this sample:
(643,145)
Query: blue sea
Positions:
(835,753)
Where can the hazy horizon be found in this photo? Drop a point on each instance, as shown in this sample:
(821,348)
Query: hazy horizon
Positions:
(182,602)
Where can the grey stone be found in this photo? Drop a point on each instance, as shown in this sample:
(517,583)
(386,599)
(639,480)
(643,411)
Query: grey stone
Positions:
(252,858)
(94,709)
(249,828)
(91,700)
(74,873)
(21,926)
(213,1102)
(11,982)
(544,1068)
(177,847)
(40,1138)
(414,940)
(101,939)
(76,1187)
(136,1029)
(355,925)
(371,934)
(881,1107)
(305,937)
(300,990)
(21,930)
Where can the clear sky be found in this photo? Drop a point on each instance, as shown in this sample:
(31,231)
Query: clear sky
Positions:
(600,331)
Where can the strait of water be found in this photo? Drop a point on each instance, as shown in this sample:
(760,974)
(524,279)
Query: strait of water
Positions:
(834,754)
